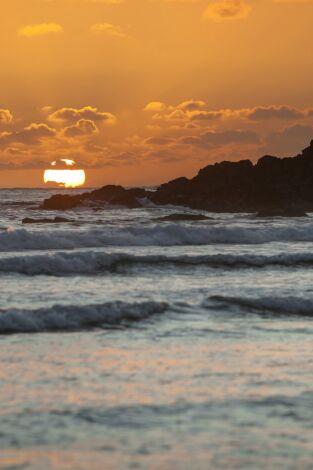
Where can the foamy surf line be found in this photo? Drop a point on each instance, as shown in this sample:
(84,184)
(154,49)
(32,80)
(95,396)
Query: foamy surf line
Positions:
(156,235)
(288,305)
(76,317)
(95,262)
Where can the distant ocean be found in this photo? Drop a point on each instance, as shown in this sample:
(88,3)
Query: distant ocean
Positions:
(131,343)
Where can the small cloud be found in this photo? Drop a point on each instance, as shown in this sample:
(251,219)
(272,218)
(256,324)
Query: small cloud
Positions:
(155,106)
(222,10)
(63,163)
(6,116)
(159,141)
(84,127)
(72,115)
(108,29)
(41,29)
(192,105)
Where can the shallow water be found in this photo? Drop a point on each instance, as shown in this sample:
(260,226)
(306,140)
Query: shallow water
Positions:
(131,343)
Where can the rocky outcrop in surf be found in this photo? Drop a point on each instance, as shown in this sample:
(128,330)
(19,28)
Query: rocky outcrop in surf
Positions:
(271,186)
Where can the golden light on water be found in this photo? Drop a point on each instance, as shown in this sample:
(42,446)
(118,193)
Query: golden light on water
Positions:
(69,178)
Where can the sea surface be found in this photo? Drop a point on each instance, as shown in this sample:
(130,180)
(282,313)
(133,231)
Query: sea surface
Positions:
(131,343)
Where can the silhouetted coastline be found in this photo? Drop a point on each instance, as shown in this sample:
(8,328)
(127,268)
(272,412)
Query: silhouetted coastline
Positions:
(273,186)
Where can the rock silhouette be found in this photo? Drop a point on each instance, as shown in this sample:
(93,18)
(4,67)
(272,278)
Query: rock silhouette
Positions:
(55,220)
(282,186)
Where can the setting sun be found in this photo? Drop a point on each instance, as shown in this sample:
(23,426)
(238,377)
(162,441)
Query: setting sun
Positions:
(63,176)
(66,178)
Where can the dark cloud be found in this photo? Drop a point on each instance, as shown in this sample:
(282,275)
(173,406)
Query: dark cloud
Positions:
(33,134)
(212,138)
(275,112)
(289,141)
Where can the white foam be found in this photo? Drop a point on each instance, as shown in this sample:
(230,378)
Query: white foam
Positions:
(76,317)
(156,235)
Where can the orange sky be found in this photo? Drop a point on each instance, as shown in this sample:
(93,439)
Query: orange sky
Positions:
(141,91)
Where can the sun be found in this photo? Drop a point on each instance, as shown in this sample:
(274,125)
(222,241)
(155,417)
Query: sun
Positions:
(63,176)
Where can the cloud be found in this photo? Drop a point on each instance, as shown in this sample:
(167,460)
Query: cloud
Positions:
(108,29)
(293,1)
(104,2)
(217,138)
(159,141)
(30,135)
(175,1)
(40,29)
(155,106)
(192,105)
(198,111)
(275,112)
(72,115)
(6,116)
(289,140)
(227,10)
(84,127)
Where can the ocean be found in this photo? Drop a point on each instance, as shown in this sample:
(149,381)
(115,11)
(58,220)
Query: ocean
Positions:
(132,343)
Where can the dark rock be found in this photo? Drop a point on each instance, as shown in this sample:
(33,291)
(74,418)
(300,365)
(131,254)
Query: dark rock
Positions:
(117,195)
(55,220)
(281,212)
(62,202)
(107,195)
(181,217)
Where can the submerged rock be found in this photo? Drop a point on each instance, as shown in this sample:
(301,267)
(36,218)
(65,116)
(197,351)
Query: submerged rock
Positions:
(283,212)
(181,217)
(55,220)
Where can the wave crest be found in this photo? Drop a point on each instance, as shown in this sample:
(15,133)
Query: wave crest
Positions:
(94,262)
(288,305)
(156,235)
(76,317)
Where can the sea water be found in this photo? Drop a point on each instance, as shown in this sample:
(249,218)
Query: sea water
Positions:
(132,343)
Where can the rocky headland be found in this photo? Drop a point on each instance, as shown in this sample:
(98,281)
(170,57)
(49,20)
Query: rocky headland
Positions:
(272,186)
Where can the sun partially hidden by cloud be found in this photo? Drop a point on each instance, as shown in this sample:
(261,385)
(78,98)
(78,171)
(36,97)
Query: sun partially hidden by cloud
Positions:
(63,174)
(41,29)
(227,10)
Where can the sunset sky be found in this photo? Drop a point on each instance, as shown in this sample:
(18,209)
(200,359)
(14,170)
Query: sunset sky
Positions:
(142,91)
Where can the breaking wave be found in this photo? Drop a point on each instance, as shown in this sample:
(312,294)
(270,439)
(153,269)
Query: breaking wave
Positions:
(156,235)
(288,305)
(95,262)
(76,317)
